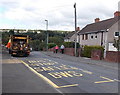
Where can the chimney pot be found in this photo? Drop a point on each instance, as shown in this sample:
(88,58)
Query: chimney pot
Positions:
(117,13)
(97,20)
(78,29)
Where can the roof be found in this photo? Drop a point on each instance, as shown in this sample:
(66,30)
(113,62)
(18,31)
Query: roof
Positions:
(99,26)
(69,35)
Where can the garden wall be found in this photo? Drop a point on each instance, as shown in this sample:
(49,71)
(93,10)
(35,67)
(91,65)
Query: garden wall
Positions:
(112,56)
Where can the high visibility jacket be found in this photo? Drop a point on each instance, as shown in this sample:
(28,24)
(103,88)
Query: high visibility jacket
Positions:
(8,45)
(56,47)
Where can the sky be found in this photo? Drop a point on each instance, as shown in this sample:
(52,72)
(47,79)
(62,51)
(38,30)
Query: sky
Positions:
(31,14)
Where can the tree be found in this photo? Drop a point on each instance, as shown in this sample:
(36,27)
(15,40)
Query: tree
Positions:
(11,32)
(5,38)
(57,40)
(117,43)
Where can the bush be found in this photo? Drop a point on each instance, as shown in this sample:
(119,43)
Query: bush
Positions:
(70,44)
(51,45)
(35,45)
(42,46)
(57,40)
(88,49)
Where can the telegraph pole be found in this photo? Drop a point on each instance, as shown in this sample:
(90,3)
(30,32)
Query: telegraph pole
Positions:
(47,34)
(118,46)
(75,30)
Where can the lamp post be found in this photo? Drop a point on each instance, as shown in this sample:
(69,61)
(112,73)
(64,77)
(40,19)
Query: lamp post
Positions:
(47,34)
(118,47)
(75,30)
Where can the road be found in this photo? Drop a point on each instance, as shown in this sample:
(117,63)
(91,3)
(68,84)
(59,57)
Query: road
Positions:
(40,73)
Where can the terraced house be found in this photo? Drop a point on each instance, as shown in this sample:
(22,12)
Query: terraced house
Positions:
(101,33)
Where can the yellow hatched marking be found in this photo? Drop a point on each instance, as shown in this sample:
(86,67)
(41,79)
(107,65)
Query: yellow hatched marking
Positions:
(107,80)
(11,61)
(46,79)
(68,85)
(88,72)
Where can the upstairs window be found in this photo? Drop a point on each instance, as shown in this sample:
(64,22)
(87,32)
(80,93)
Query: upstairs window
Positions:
(91,37)
(96,36)
(116,34)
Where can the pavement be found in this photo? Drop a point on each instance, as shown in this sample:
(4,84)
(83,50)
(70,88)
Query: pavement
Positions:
(83,60)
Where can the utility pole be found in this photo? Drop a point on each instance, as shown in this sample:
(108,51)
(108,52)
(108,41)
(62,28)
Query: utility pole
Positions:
(75,30)
(118,47)
(47,34)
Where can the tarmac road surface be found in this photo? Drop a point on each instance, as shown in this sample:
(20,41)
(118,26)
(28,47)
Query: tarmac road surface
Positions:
(40,73)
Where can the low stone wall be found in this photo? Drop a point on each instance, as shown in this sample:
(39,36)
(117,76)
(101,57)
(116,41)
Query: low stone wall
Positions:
(96,54)
(69,51)
(112,56)
(51,49)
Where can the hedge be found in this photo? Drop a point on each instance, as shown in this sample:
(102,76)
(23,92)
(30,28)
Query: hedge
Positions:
(51,45)
(70,44)
(88,49)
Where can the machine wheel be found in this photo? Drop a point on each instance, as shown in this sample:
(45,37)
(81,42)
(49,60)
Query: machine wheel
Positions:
(26,55)
(12,55)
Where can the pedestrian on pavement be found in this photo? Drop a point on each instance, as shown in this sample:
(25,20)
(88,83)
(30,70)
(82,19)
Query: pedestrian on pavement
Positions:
(62,48)
(56,48)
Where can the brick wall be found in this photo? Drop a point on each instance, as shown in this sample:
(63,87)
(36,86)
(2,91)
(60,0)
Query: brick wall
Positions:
(69,51)
(51,49)
(96,54)
(112,56)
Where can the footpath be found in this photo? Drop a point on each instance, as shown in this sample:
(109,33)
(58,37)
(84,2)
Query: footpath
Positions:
(83,60)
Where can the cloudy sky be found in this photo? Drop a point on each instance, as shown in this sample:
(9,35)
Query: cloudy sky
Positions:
(31,14)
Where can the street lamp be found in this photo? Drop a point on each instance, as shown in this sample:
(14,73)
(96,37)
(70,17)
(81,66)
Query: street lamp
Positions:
(75,31)
(47,34)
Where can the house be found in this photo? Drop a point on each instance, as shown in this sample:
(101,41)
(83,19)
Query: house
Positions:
(71,37)
(101,33)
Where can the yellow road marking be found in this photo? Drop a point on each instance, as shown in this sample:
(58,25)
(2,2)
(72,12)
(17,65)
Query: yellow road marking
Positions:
(10,61)
(68,85)
(46,79)
(116,80)
(107,80)
(88,72)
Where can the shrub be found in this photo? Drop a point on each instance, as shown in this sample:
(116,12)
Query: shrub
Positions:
(70,44)
(117,43)
(42,46)
(51,45)
(88,49)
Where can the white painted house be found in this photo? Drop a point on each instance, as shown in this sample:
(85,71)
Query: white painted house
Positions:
(101,33)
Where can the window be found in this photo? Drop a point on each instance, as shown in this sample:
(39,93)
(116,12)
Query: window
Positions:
(116,34)
(83,37)
(91,37)
(86,36)
(96,36)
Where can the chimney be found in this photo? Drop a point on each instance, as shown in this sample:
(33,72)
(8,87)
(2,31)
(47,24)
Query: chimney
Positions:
(97,20)
(117,13)
(78,29)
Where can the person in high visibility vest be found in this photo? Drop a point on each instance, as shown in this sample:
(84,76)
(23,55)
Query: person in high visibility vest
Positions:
(8,44)
(56,48)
